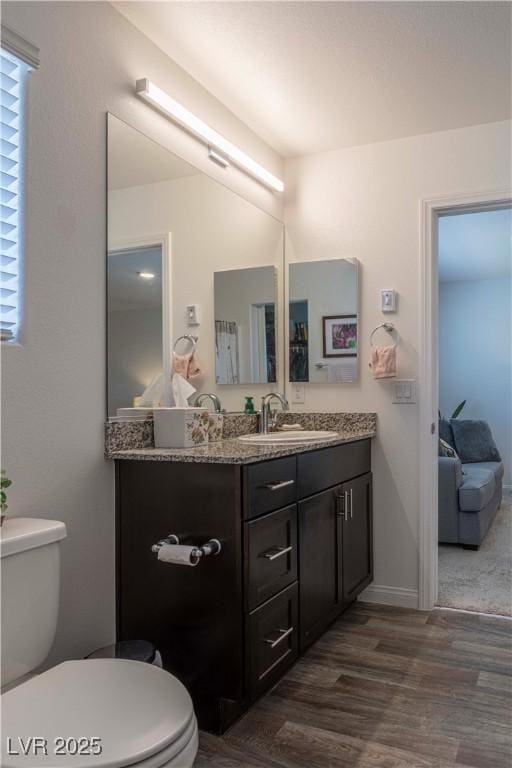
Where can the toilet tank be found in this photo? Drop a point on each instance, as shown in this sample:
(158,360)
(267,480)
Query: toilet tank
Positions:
(30,562)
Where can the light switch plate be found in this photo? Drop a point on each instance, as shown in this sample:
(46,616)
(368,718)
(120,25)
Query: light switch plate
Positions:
(404,391)
(298,393)
(193,314)
(388,300)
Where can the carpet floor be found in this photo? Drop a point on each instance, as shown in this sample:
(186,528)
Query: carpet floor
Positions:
(480,580)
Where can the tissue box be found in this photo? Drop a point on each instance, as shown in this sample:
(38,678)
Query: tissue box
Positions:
(215,423)
(180,427)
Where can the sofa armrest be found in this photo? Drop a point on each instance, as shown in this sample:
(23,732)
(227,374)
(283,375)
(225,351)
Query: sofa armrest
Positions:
(450,478)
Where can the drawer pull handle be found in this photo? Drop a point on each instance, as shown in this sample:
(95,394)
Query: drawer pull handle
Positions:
(284,634)
(273,554)
(276,485)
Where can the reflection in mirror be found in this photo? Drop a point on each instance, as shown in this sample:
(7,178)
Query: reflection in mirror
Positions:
(245,326)
(323,321)
(156,197)
(134,322)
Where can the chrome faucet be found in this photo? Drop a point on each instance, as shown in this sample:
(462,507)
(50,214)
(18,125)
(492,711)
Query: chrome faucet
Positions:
(215,400)
(266,418)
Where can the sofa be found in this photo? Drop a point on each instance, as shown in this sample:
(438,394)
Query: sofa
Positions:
(470,481)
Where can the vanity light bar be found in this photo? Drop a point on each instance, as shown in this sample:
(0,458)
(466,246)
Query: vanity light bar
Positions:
(177,112)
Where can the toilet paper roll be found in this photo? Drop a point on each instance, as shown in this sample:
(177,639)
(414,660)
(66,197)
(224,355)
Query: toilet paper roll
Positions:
(178,554)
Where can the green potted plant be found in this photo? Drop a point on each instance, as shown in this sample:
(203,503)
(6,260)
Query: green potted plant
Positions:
(456,412)
(4,483)
(458,409)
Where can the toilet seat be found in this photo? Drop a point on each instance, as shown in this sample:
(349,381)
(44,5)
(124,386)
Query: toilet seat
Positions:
(143,716)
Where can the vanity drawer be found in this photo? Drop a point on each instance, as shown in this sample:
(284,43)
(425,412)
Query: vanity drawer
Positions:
(270,555)
(269,485)
(322,469)
(272,637)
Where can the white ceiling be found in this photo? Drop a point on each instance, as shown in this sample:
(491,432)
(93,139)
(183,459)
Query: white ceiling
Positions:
(313,76)
(475,246)
(134,159)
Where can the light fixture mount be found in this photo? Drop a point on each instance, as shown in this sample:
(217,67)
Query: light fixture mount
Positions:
(224,150)
(218,157)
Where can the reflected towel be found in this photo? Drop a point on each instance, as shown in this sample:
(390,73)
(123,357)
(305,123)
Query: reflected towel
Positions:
(187,366)
(383,362)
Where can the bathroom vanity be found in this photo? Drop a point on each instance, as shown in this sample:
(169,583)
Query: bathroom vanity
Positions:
(295,523)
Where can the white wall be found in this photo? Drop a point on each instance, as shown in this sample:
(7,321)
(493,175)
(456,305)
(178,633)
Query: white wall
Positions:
(364,202)
(475,356)
(211,229)
(54,384)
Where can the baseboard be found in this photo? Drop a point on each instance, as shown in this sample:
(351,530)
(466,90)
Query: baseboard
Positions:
(398,596)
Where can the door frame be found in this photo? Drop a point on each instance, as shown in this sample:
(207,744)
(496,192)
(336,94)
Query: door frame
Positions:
(430,210)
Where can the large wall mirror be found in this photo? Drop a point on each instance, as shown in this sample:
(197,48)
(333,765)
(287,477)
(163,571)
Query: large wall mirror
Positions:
(245,326)
(177,237)
(323,321)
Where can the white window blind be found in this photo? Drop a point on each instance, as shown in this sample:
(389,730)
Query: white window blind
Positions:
(13,75)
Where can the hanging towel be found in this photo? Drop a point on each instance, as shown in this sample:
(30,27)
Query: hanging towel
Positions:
(187,366)
(383,364)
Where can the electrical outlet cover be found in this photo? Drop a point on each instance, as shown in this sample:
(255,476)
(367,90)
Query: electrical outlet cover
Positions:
(404,391)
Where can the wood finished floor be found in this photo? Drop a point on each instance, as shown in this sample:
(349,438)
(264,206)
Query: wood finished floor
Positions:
(384,688)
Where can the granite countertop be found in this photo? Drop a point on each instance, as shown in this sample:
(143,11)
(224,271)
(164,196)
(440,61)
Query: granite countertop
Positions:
(233,451)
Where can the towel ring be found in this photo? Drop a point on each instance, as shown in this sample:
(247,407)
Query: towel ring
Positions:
(186,337)
(389,328)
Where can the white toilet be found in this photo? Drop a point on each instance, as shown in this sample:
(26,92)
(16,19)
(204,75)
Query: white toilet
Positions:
(93,713)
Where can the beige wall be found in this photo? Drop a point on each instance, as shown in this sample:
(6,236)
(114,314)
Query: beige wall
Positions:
(54,384)
(364,202)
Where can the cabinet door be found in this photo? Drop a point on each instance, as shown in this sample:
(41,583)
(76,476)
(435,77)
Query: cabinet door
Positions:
(319,556)
(357,560)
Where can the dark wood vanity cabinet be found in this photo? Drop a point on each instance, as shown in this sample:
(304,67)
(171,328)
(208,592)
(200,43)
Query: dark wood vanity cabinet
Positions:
(296,537)
(320,571)
(355,522)
(336,559)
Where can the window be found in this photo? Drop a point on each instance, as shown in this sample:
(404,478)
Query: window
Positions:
(16,61)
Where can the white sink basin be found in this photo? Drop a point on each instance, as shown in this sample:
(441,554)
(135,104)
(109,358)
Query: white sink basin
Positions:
(295,436)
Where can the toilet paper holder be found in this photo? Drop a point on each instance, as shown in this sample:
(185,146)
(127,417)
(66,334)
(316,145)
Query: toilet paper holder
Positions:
(212,547)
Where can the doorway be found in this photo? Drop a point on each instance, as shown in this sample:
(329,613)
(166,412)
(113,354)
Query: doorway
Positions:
(475,411)
(432,210)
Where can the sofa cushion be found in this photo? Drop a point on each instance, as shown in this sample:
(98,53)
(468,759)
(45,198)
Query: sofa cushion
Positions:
(478,486)
(473,441)
(445,432)
(494,466)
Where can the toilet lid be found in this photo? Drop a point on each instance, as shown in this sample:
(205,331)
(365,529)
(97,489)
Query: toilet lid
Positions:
(135,710)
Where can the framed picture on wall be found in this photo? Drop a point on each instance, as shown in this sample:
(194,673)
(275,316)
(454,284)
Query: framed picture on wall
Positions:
(340,335)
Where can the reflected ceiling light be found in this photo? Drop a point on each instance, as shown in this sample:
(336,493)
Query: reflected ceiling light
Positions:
(146,275)
(181,115)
